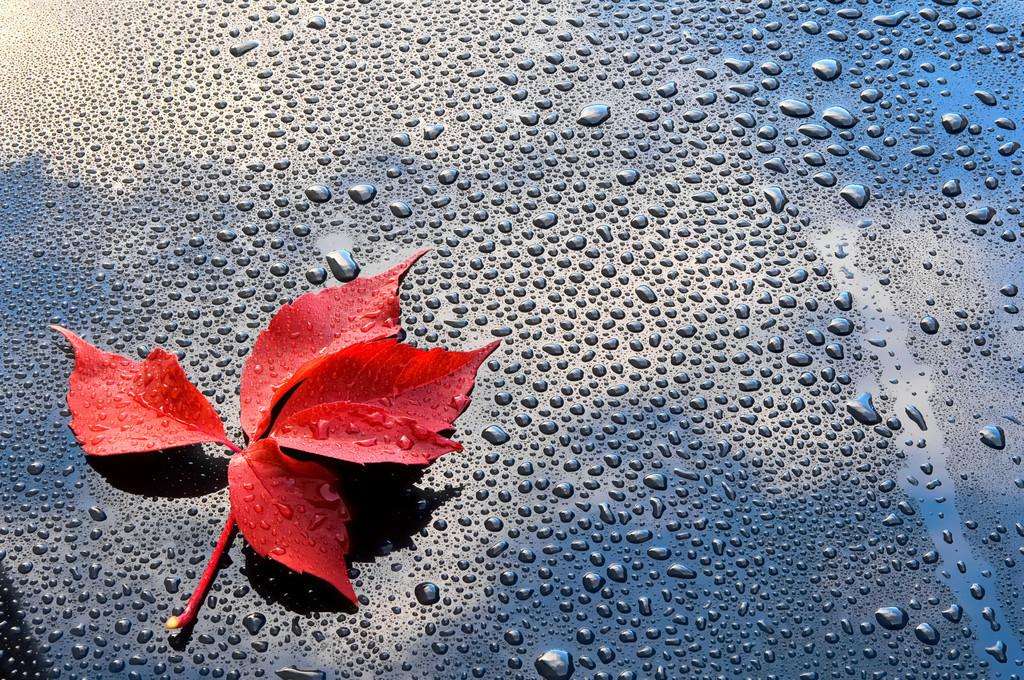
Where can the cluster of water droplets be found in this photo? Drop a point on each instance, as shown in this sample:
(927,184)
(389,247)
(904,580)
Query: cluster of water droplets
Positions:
(754,265)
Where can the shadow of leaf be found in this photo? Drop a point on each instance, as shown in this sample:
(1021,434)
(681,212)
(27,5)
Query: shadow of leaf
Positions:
(298,593)
(387,511)
(184,472)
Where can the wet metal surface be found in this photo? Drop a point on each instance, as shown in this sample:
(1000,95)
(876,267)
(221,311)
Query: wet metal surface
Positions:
(755,267)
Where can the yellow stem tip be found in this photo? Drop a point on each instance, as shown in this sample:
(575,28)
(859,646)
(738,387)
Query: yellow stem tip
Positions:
(172,623)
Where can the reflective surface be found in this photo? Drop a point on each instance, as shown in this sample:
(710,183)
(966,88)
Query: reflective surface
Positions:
(755,267)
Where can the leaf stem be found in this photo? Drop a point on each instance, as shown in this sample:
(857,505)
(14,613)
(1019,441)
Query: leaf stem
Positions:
(188,614)
(235,448)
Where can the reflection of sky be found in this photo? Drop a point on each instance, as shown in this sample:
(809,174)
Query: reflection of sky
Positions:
(906,382)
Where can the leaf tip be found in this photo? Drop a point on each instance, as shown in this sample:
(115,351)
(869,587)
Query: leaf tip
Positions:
(77,343)
(63,331)
(402,267)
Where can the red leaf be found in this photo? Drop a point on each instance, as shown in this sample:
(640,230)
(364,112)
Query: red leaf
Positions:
(355,395)
(312,327)
(413,393)
(123,406)
(429,386)
(360,433)
(290,511)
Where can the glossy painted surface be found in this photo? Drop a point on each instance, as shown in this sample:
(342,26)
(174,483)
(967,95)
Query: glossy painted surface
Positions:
(754,267)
